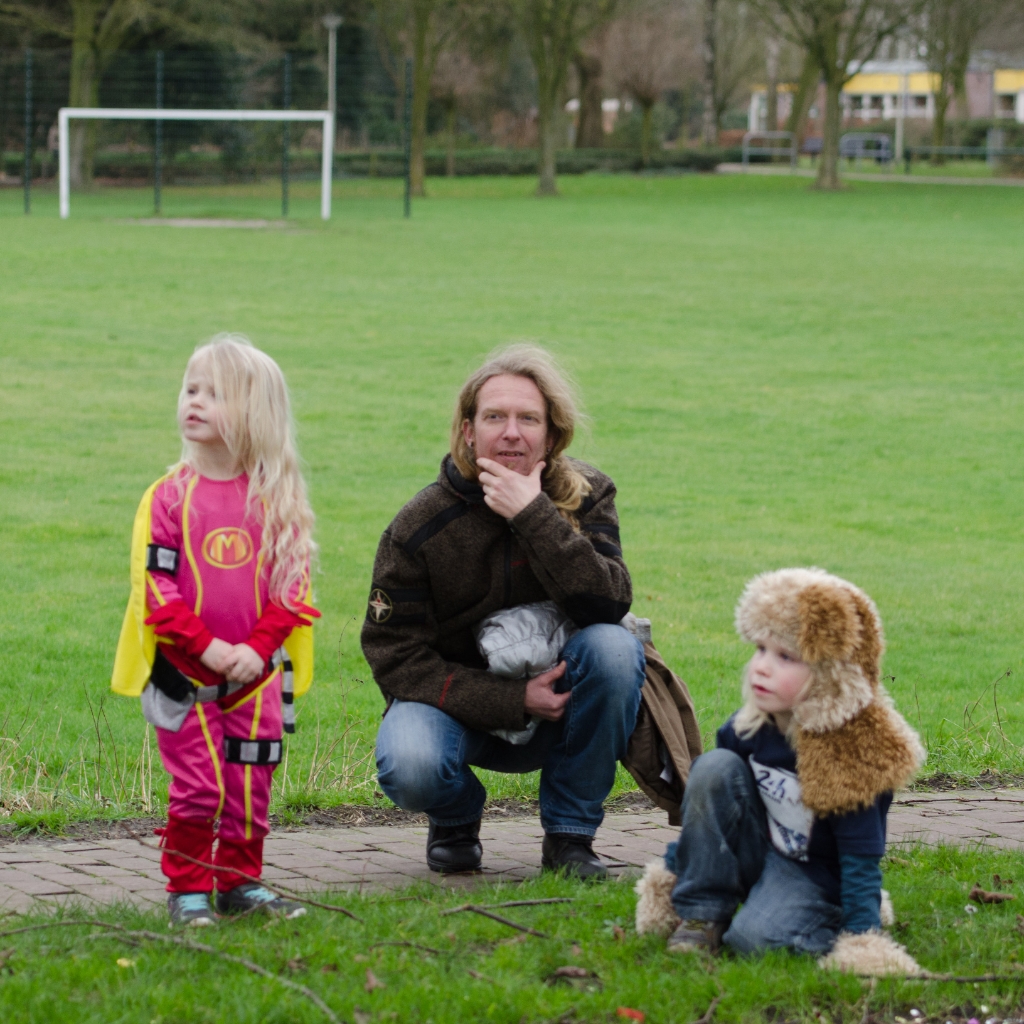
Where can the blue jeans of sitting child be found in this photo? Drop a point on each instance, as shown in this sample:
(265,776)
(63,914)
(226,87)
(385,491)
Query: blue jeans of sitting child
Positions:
(724,858)
(424,755)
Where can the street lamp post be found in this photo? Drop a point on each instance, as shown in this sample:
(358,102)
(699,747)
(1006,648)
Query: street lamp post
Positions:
(332,22)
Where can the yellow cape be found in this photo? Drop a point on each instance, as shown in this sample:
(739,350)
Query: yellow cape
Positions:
(136,648)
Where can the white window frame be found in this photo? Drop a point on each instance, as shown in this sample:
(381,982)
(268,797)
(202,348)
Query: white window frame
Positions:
(325,117)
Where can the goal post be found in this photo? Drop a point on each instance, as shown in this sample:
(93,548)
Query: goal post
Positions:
(65,114)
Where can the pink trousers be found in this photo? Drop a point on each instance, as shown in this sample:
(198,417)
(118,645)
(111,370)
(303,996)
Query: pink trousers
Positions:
(206,787)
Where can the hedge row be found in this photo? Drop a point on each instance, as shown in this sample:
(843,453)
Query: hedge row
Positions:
(205,167)
(524,162)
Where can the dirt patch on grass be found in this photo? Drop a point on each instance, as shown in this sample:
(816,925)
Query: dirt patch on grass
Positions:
(340,816)
(943,782)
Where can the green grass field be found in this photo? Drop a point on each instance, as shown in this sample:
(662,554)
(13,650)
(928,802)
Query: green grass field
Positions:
(463,967)
(774,377)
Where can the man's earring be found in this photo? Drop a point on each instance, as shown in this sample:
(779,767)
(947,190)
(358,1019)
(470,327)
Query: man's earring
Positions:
(470,443)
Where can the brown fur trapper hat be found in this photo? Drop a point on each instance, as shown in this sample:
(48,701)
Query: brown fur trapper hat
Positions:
(851,743)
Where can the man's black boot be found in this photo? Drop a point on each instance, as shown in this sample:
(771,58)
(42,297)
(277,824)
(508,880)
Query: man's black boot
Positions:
(454,848)
(572,854)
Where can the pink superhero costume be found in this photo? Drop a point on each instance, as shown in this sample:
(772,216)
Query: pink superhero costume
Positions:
(207,577)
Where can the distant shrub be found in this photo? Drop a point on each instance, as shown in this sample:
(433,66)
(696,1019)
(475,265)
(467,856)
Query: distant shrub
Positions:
(238,161)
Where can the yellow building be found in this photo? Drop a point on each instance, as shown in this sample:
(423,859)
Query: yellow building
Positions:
(875,92)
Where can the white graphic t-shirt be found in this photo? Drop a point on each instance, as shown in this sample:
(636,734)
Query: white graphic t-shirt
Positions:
(789,821)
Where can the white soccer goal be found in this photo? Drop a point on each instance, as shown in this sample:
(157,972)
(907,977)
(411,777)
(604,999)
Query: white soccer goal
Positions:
(325,117)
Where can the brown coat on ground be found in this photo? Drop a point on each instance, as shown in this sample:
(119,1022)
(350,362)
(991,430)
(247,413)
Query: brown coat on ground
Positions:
(666,721)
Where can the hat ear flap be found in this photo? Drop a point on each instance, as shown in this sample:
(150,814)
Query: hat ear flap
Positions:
(872,643)
(829,624)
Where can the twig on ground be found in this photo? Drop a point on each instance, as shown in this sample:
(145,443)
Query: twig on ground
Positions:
(411,945)
(120,932)
(712,1006)
(132,936)
(479,976)
(531,903)
(710,1011)
(47,924)
(279,890)
(483,911)
(962,980)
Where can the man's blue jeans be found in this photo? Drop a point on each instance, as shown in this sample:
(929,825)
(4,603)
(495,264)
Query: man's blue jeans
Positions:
(424,755)
(724,857)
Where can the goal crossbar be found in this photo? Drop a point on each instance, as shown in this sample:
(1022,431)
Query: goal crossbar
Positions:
(151,114)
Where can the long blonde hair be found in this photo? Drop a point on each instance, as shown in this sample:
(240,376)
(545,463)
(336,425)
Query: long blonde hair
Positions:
(257,426)
(565,486)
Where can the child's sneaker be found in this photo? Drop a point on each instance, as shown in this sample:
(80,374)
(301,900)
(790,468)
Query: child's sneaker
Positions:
(251,896)
(697,937)
(190,908)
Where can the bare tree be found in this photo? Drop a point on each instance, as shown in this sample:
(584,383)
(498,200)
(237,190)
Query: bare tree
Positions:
(807,85)
(740,35)
(96,30)
(840,35)
(553,30)
(948,30)
(455,77)
(420,29)
(589,63)
(731,44)
(709,126)
(771,66)
(647,52)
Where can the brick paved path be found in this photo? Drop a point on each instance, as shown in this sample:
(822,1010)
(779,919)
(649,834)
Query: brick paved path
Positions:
(381,857)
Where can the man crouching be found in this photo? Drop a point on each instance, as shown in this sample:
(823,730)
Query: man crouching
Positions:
(510,521)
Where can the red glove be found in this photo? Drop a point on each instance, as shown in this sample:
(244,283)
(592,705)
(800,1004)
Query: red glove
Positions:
(179,623)
(274,626)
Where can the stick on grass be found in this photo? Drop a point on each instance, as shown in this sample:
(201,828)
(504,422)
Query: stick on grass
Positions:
(484,912)
(129,935)
(411,945)
(709,1012)
(531,903)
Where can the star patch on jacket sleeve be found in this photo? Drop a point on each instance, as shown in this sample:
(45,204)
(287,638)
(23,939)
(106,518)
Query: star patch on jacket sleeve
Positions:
(380,606)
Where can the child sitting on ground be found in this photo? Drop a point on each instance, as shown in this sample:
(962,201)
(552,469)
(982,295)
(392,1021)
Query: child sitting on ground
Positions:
(787,817)
(214,639)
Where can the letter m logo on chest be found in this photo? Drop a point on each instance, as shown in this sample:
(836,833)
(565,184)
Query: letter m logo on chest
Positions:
(228,547)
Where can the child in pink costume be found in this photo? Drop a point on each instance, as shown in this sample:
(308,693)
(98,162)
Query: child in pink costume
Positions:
(227,572)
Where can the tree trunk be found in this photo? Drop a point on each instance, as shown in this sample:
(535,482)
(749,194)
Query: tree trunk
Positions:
(421,75)
(547,184)
(772,67)
(710,123)
(828,168)
(84,90)
(941,98)
(646,125)
(590,127)
(449,160)
(802,99)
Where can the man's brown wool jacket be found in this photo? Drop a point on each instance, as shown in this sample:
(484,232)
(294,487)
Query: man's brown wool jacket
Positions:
(447,561)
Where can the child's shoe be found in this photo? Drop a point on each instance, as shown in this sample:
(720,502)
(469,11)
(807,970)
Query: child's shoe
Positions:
(697,937)
(253,897)
(190,908)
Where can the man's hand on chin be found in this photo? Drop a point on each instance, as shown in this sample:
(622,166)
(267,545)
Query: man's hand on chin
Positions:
(506,491)
(541,699)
